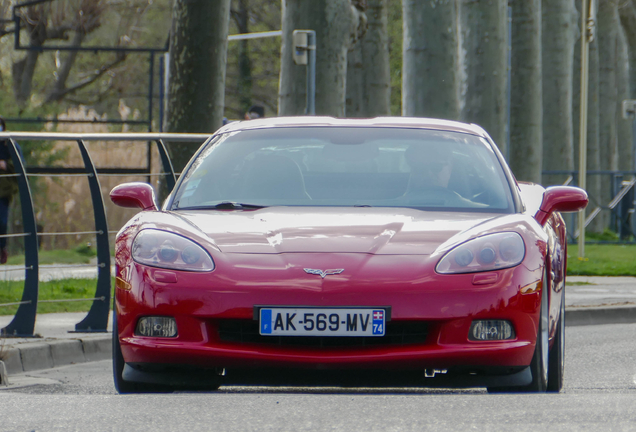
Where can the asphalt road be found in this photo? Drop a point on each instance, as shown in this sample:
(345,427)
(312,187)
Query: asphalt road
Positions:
(599,394)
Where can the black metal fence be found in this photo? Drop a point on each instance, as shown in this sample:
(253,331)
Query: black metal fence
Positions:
(621,205)
(23,323)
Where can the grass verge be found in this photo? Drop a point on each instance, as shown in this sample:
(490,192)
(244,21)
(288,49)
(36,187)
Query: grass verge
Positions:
(62,289)
(603,260)
(80,255)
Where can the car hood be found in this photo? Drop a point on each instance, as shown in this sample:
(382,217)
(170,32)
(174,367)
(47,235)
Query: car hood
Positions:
(354,230)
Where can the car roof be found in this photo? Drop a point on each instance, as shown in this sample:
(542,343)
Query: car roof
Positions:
(385,122)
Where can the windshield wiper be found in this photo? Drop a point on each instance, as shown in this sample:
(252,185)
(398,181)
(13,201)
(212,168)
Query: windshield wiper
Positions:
(230,205)
(238,206)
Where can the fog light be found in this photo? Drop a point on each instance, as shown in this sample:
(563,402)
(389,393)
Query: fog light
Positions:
(488,330)
(156,327)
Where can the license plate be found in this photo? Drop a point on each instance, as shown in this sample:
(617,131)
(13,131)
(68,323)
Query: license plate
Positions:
(292,321)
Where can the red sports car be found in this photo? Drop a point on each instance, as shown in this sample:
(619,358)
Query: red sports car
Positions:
(387,251)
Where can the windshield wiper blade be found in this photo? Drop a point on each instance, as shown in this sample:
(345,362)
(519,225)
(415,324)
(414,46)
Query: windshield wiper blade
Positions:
(236,205)
(230,205)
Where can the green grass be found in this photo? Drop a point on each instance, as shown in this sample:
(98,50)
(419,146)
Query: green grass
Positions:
(603,260)
(80,255)
(607,235)
(11,291)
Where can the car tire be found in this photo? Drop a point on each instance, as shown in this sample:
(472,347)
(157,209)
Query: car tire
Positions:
(556,366)
(540,363)
(118,362)
(539,366)
(122,386)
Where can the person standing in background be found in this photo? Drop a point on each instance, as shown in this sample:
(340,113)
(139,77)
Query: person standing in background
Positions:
(8,188)
(256,111)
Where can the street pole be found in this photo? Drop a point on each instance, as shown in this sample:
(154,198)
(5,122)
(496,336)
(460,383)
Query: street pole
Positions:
(305,54)
(311,73)
(588,11)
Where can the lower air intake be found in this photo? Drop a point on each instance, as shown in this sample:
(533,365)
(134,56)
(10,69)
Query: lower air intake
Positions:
(397,333)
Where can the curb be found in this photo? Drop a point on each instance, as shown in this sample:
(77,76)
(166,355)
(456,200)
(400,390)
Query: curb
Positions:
(600,315)
(4,379)
(48,354)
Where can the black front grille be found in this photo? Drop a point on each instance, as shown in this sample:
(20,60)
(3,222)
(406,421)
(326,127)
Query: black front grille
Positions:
(397,333)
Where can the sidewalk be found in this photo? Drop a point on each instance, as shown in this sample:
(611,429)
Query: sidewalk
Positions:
(49,272)
(590,300)
(55,346)
(597,291)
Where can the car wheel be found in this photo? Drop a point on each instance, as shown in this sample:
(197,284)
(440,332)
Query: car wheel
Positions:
(121,385)
(118,362)
(556,367)
(540,360)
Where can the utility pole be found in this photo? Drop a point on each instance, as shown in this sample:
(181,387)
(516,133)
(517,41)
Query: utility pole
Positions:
(588,28)
(305,54)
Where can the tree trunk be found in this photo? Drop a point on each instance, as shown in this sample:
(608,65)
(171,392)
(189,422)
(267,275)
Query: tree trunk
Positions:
(624,126)
(356,100)
(608,24)
(292,94)
(628,19)
(430,80)
(198,56)
(559,26)
(57,92)
(526,106)
(484,51)
(24,69)
(337,24)
(396,39)
(245,63)
(345,24)
(368,74)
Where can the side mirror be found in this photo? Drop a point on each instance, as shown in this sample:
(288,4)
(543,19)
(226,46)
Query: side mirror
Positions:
(135,195)
(561,199)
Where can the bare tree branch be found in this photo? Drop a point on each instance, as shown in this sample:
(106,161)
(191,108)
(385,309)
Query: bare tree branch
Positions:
(57,92)
(91,79)
(97,98)
(236,16)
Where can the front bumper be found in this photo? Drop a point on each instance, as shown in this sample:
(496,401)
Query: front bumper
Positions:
(448,304)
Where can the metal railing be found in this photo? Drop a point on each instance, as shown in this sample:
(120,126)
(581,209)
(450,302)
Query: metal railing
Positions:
(621,205)
(23,323)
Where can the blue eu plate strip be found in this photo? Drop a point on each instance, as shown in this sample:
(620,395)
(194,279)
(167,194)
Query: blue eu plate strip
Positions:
(266,321)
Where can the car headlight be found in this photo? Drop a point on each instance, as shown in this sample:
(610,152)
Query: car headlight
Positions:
(490,252)
(167,250)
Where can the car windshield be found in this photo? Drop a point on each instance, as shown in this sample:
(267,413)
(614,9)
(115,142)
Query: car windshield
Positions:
(346,166)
